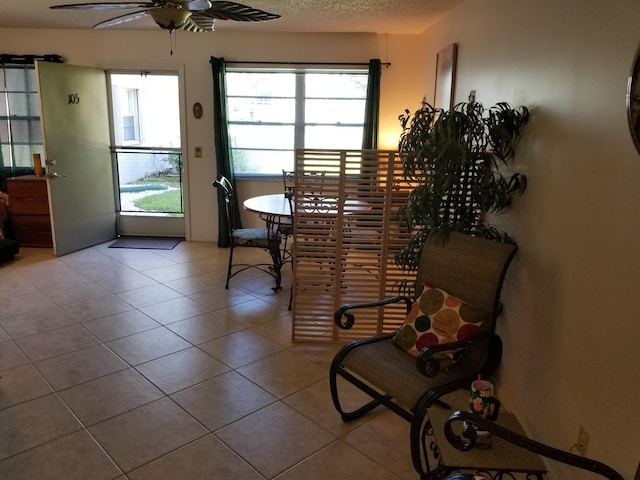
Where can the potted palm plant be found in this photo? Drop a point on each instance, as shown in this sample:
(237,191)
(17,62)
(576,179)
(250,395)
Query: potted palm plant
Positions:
(457,160)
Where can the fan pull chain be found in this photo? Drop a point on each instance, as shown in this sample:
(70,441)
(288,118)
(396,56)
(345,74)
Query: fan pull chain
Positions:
(172,41)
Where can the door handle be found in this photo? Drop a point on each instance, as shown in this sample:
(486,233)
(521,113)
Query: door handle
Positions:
(53,175)
(51,162)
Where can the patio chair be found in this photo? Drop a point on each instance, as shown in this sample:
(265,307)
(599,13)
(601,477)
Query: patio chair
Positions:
(285,227)
(288,181)
(395,370)
(267,238)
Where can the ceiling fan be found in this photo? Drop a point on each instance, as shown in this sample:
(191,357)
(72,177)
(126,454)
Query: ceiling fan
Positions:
(189,15)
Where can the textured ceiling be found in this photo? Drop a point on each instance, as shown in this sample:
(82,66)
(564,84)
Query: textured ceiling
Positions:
(378,16)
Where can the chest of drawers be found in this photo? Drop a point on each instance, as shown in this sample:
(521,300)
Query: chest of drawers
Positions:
(29,211)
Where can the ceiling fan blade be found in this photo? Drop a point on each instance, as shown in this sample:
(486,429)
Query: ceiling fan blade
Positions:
(193,5)
(224,10)
(199,23)
(127,17)
(196,16)
(104,6)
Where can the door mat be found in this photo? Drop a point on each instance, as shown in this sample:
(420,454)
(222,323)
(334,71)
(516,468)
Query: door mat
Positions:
(146,242)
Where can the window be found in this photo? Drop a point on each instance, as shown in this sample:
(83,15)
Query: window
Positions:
(20,132)
(130,115)
(272,112)
(146,109)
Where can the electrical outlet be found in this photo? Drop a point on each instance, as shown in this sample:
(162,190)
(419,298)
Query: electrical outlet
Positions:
(583,442)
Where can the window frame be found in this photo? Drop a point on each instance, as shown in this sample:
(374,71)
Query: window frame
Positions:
(26,96)
(299,124)
(133,112)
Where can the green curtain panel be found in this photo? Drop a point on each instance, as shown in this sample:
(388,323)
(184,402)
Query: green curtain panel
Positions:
(372,108)
(224,164)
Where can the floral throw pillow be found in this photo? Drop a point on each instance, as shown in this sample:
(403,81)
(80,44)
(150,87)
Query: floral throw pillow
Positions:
(436,318)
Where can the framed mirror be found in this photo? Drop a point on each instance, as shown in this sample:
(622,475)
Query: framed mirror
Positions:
(445,77)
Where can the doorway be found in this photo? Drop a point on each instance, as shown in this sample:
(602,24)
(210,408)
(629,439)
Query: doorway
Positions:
(147,153)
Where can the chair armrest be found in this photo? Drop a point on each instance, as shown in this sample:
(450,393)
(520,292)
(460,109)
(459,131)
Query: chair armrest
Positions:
(541,449)
(428,364)
(343,310)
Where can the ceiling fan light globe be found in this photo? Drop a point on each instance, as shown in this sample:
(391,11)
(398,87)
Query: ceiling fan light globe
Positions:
(170,18)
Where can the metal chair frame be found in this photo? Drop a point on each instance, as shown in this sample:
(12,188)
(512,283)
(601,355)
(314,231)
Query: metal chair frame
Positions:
(267,238)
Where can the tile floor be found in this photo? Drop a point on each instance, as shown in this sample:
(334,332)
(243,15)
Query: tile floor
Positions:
(138,364)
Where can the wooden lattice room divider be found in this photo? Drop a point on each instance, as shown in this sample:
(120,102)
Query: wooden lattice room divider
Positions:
(347,231)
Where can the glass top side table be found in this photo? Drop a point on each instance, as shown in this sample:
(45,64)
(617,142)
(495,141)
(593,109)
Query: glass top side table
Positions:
(501,460)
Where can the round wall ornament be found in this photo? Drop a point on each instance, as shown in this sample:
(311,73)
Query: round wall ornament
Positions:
(197,110)
(633,100)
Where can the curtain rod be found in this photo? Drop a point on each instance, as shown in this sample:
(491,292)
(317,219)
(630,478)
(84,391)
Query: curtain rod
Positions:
(10,59)
(386,64)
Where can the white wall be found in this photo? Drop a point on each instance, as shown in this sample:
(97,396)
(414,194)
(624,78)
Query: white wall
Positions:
(571,327)
(111,49)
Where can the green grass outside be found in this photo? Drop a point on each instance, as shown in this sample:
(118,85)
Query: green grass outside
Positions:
(169,180)
(166,202)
